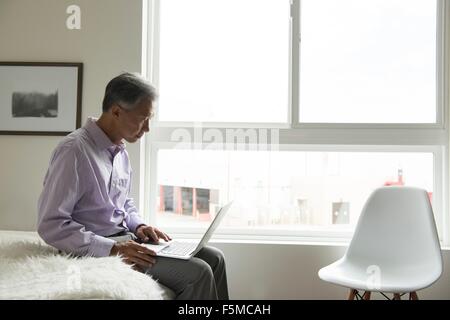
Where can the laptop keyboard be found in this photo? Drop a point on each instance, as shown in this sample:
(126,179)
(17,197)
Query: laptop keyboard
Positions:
(179,248)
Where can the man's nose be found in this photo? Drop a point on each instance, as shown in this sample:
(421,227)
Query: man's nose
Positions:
(147,126)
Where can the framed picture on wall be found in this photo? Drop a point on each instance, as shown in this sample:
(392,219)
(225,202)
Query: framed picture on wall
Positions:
(40,98)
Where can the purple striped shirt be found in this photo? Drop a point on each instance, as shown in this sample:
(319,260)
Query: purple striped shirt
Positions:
(85,194)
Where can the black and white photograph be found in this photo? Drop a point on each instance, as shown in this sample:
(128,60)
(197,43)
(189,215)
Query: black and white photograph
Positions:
(40,98)
(34,104)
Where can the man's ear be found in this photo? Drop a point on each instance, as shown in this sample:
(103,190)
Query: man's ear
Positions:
(115,111)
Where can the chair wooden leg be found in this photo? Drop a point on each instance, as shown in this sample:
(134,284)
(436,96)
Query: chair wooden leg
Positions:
(413,296)
(397,296)
(366,295)
(352,294)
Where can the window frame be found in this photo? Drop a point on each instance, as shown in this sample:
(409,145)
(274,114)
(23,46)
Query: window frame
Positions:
(397,137)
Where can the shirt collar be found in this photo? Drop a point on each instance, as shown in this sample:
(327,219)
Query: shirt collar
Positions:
(100,138)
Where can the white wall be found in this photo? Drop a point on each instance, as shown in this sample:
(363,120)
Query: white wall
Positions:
(109,42)
(288,271)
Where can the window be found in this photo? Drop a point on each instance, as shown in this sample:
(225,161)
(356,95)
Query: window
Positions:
(375,59)
(291,189)
(217,57)
(296,110)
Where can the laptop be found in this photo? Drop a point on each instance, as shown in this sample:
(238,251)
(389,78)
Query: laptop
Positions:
(186,250)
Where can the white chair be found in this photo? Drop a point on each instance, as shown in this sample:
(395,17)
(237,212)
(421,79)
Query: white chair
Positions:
(395,247)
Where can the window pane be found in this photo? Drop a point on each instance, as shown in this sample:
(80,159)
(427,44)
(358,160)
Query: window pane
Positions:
(371,61)
(224,60)
(279,189)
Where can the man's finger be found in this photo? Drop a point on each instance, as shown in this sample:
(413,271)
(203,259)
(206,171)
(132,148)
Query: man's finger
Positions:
(145,256)
(141,263)
(141,235)
(164,236)
(138,247)
(133,264)
(137,263)
(144,259)
(152,234)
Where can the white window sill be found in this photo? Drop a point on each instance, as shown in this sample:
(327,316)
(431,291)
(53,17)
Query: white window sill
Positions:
(272,240)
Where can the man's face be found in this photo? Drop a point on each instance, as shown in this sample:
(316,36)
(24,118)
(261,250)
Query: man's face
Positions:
(133,124)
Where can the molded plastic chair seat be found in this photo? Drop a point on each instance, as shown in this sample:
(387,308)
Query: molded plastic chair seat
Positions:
(395,247)
(392,279)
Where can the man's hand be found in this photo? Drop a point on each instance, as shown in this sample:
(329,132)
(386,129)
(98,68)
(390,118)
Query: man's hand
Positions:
(135,254)
(151,234)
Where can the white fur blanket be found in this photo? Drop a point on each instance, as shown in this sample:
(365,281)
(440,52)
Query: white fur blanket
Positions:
(30,269)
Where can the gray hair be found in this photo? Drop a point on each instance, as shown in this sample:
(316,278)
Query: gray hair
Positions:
(127,90)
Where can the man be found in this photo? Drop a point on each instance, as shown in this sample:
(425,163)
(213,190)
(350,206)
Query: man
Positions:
(85,208)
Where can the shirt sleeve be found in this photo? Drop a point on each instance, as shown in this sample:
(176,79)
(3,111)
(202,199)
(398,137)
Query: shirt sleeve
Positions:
(133,219)
(61,192)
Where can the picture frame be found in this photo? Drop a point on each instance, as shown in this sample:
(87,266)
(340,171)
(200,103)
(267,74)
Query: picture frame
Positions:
(40,98)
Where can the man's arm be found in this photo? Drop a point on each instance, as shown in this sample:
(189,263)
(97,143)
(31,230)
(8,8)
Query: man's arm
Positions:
(137,225)
(133,219)
(59,196)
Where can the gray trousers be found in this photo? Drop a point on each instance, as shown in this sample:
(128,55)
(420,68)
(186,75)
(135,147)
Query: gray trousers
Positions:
(203,277)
